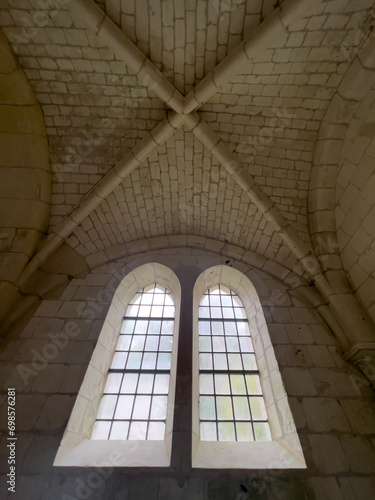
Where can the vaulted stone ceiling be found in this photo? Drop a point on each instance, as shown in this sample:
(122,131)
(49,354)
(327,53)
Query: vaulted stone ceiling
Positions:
(281,65)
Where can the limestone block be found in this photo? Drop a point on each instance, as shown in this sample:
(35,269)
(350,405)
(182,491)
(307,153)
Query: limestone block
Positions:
(328,454)
(298,382)
(355,488)
(325,415)
(326,488)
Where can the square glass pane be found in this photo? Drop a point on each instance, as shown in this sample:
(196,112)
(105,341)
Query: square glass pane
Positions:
(224,408)
(232,344)
(154,327)
(152,343)
(218,344)
(144,311)
(253,384)
(119,430)
(228,312)
(107,407)
(216,312)
(238,384)
(156,431)
(249,362)
(138,431)
(241,408)
(159,408)
(204,328)
(262,431)
(204,312)
(134,361)
(124,407)
(157,311)
(123,343)
(166,343)
(217,328)
(158,299)
(208,431)
(205,344)
(222,384)
(101,430)
(141,327)
(243,328)
(226,301)
(234,361)
(164,361)
(220,362)
(226,431)
(128,326)
(138,343)
(119,360)
(230,328)
(149,361)
(205,361)
(207,408)
(161,384)
(246,344)
(167,327)
(129,383)
(141,408)
(132,311)
(244,431)
(215,301)
(168,312)
(146,382)
(206,384)
(146,299)
(113,383)
(239,313)
(258,408)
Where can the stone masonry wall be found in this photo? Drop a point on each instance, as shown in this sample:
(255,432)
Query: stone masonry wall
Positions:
(46,360)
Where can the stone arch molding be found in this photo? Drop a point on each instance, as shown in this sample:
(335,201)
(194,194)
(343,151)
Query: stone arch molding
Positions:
(76,448)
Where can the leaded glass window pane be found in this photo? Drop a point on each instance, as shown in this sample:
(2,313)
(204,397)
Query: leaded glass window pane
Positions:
(231,402)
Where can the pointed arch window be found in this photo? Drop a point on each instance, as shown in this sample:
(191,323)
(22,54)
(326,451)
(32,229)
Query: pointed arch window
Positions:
(231,403)
(135,399)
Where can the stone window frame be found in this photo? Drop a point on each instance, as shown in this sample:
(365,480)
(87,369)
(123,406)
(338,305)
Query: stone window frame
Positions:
(284,451)
(76,448)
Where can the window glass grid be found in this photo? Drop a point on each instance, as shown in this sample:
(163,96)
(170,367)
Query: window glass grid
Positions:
(134,402)
(232,406)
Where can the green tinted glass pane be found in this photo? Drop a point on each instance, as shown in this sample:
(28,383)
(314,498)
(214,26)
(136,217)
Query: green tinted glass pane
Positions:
(222,384)
(128,326)
(226,431)
(262,431)
(249,362)
(258,409)
(238,384)
(234,361)
(119,430)
(154,327)
(206,384)
(224,408)
(204,344)
(244,431)
(218,344)
(220,362)
(101,430)
(205,361)
(164,361)
(149,361)
(253,384)
(217,328)
(232,344)
(152,343)
(141,327)
(134,361)
(208,431)
(246,344)
(146,381)
(241,408)
(204,328)
(207,408)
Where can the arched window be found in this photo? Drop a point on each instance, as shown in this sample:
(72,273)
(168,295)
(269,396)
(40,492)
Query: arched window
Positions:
(123,414)
(231,403)
(135,398)
(241,414)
